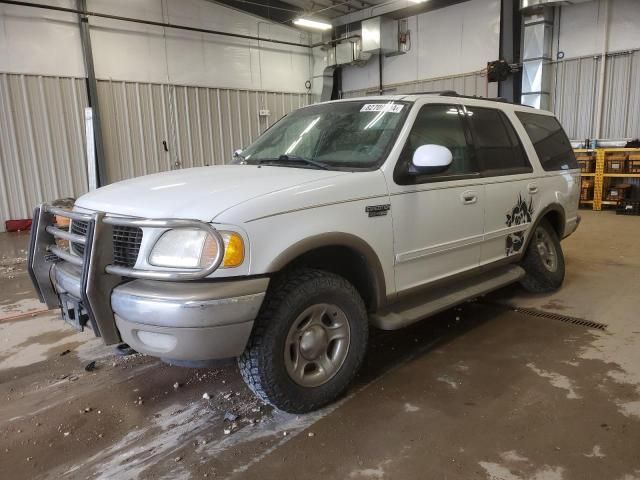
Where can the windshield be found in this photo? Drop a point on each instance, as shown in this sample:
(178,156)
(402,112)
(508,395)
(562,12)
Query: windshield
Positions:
(334,135)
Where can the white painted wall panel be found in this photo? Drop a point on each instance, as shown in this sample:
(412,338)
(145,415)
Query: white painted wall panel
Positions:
(450,41)
(35,41)
(581,27)
(125,51)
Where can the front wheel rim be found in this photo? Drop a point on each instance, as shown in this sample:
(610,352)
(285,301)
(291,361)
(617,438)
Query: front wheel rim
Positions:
(546,249)
(317,345)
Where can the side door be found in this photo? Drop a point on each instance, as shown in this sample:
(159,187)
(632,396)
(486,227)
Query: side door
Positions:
(511,189)
(437,218)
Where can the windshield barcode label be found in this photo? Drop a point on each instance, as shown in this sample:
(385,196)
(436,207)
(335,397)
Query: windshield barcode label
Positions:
(382,107)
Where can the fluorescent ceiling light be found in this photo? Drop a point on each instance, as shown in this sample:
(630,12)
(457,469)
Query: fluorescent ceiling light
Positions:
(418,1)
(318,25)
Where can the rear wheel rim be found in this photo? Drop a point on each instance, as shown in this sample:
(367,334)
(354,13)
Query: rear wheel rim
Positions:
(546,249)
(317,344)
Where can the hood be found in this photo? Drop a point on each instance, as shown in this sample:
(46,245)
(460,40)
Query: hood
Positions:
(197,193)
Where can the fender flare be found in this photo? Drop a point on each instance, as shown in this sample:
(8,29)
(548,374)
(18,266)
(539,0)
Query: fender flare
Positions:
(337,239)
(553,207)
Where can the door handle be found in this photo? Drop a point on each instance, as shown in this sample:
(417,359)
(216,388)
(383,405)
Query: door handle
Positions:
(469,197)
(533,188)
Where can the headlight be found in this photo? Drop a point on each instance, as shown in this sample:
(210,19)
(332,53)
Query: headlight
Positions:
(195,248)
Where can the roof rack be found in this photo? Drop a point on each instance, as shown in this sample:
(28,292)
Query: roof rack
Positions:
(453,93)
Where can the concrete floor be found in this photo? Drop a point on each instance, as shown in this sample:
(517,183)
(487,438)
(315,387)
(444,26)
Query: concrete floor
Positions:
(482,391)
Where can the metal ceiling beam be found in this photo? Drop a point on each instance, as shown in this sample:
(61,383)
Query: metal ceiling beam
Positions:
(273,10)
(393,9)
(322,6)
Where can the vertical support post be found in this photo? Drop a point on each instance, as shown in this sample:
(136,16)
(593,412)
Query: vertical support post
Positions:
(601,74)
(92,91)
(510,23)
(92,174)
(380,85)
(598,184)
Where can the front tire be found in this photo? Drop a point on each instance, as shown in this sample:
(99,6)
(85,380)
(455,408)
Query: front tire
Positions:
(543,261)
(308,341)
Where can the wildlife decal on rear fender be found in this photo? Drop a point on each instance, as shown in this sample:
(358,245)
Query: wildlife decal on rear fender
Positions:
(520,214)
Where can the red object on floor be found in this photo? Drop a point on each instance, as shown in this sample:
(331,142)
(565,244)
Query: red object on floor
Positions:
(17,225)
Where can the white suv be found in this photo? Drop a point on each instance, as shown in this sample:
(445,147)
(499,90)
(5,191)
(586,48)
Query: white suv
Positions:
(375,211)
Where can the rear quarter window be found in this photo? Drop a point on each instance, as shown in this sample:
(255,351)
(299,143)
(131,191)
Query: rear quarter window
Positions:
(497,145)
(549,140)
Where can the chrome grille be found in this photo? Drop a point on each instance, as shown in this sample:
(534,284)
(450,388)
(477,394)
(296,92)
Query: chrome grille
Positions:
(126,245)
(79,228)
(126,242)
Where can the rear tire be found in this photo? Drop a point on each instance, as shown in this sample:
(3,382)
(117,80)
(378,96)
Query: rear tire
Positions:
(308,341)
(543,261)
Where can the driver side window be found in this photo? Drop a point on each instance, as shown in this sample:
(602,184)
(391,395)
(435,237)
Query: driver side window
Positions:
(437,125)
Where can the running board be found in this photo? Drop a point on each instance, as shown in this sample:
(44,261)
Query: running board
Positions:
(418,307)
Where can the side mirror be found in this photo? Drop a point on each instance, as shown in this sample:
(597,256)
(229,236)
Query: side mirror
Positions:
(237,155)
(432,159)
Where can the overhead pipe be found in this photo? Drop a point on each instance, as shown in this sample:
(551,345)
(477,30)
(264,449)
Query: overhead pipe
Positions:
(171,25)
(153,23)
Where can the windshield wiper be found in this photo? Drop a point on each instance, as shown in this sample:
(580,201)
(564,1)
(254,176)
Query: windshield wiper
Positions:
(293,159)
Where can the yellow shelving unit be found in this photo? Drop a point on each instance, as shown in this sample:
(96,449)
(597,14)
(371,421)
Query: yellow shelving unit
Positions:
(599,176)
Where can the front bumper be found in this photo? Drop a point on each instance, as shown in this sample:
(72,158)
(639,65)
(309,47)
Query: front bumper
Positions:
(178,315)
(188,321)
(178,320)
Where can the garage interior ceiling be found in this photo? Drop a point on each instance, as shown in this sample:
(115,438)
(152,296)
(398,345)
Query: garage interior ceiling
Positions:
(339,12)
(284,12)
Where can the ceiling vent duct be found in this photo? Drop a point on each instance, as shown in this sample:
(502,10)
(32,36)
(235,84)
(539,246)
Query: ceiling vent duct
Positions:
(533,4)
(380,35)
(537,26)
(536,58)
(346,52)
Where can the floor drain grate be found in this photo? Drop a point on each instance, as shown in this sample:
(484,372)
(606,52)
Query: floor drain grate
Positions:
(581,322)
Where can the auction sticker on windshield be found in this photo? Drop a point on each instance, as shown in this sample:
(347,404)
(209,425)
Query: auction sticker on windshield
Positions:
(382,107)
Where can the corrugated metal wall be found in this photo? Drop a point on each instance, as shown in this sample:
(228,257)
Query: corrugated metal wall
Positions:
(576,94)
(42,151)
(573,98)
(472,83)
(41,141)
(201,126)
(42,129)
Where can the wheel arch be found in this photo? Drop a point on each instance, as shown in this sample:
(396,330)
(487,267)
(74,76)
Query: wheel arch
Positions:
(344,254)
(555,215)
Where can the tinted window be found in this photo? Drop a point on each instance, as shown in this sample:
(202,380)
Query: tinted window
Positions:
(497,145)
(549,140)
(437,125)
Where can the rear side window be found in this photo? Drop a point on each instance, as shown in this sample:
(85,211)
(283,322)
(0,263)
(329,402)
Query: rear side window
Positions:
(498,148)
(549,140)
